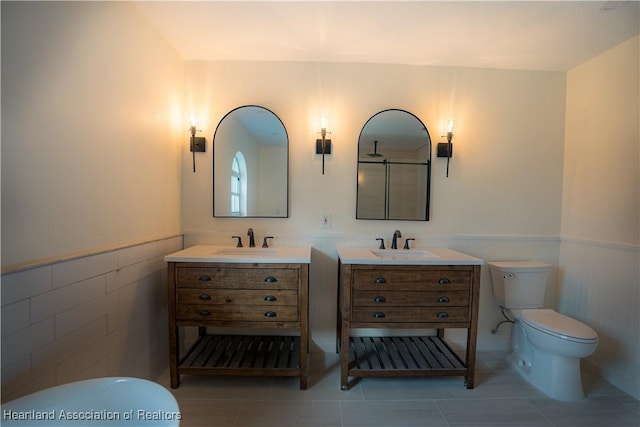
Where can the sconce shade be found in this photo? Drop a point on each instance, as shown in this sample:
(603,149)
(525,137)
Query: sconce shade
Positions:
(450,126)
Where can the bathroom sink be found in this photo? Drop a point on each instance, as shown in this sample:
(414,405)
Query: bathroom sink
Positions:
(416,256)
(246,251)
(402,253)
(211,253)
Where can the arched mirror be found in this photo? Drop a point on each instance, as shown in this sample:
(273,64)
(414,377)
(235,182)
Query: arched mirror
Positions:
(250,165)
(394,168)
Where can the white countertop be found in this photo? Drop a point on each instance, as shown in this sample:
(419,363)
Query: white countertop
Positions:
(212,253)
(417,256)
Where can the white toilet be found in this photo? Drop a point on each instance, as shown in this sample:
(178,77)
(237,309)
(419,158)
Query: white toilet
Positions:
(547,346)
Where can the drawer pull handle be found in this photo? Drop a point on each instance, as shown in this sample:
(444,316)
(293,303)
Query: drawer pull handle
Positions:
(270,279)
(443,299)
(205,297)
(444,281)
(379,315)
(380,299)
(205,313)
(380,280)
(270,298)
(204,278)
(270,314)
(443,315)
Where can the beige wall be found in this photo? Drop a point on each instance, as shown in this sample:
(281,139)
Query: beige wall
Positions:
(91,119)
(600,181)
(502,198)
(600,254)
(506,172)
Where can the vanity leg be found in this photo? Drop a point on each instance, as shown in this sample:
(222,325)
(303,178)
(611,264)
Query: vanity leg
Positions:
(173,359)
(344,359)
(472,332)
(469,379)
(471,357)
(304,358)
(339,331)
(174,333)
(343,322)
(338,312)
(303,303)
(468,382)
(175,379)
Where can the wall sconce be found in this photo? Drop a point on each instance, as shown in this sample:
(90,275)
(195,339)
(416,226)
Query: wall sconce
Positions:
(323,145)
(445,149)
(197,144)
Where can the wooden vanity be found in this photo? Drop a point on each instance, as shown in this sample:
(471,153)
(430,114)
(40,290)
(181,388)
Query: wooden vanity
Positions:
(221,290)
(383,294)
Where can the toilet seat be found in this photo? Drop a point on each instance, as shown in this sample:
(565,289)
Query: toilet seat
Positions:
(553,323)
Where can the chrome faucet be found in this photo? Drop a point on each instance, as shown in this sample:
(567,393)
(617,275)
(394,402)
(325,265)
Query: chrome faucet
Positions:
(394,241)
(252,241)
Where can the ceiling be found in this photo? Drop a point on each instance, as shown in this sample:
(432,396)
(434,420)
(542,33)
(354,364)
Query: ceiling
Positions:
(531,35)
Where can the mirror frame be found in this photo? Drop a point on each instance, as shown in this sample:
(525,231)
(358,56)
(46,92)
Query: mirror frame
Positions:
(427,164)
(213,151)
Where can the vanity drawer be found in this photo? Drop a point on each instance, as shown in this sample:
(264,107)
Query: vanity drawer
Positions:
(386,298)
(412,279)
(249,278)
(249,313)
(410,314)
(267,297)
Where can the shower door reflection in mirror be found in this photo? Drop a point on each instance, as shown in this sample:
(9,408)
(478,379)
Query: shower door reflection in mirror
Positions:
(394,168)
(251,165)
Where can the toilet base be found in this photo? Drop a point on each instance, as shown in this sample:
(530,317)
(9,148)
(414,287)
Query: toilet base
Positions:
(556,376)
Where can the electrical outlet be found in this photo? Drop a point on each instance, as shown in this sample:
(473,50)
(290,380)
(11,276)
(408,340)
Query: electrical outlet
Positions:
(326,220)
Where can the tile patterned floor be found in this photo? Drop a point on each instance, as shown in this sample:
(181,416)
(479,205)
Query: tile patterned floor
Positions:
(500,398)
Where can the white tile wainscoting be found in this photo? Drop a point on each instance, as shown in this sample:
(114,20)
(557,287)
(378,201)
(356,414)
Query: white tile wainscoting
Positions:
(103,314)
(599,284)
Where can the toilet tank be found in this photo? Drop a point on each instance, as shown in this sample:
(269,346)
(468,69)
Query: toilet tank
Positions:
(519,284)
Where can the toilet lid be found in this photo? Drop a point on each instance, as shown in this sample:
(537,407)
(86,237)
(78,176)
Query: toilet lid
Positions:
(520,266)
(555,323)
